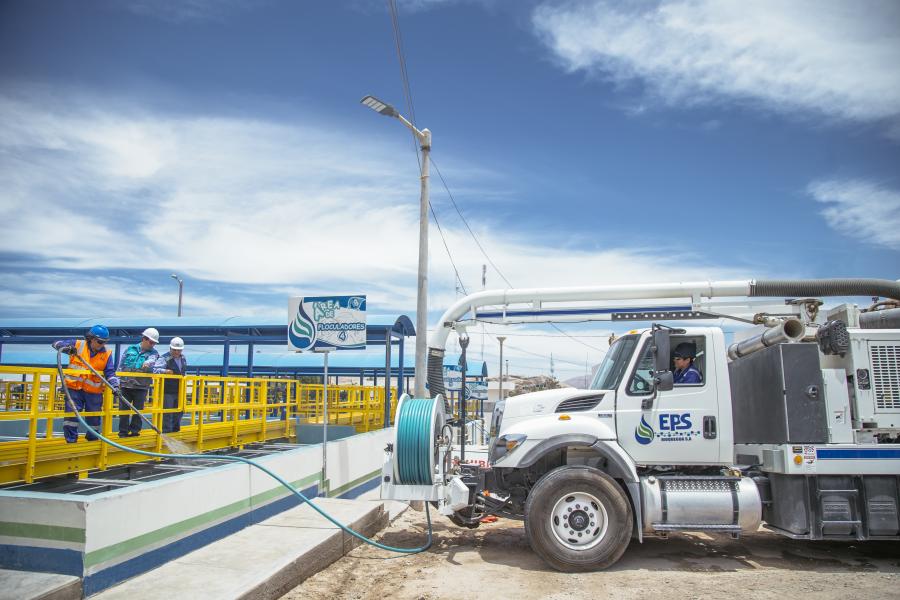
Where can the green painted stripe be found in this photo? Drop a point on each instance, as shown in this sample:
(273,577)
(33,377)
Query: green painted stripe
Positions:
(349,486)
(56,533)
(151,537)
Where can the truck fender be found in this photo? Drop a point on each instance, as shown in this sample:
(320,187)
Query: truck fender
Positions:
(619,465)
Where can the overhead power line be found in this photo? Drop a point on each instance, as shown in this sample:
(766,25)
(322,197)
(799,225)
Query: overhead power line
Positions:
(404,76)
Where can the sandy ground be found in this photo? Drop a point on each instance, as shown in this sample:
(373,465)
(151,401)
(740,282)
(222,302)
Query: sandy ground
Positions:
(495,561)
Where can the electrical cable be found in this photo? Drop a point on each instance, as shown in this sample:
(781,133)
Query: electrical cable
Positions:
(404,76)
(488,258)
(407,94)
(466,223)
(447,248)
(226,458)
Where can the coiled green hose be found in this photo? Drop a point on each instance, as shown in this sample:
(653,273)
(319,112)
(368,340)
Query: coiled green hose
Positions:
(414,423)
(226,458)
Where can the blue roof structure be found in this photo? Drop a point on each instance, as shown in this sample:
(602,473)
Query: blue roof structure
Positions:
(253,335)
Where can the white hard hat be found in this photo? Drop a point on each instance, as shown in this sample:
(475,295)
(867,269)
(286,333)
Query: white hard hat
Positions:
(176,344)
(152,334)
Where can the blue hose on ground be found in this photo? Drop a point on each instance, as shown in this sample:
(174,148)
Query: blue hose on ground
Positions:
(241,459)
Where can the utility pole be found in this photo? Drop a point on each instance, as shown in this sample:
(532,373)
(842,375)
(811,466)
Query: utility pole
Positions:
(484,287)
(423,137)
(501,339)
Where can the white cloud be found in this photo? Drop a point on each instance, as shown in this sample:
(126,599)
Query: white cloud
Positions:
(180,11)
(833,58)
(860,209)
(73,294)
(251,202)
(230,202)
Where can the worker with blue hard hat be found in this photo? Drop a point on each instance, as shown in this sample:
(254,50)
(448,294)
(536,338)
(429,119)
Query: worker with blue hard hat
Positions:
(683,357)
(85,388)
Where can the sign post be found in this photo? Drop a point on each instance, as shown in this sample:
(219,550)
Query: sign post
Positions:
(324,324)
(324,476)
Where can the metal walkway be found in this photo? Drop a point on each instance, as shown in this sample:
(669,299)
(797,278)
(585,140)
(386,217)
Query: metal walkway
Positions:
(219,412)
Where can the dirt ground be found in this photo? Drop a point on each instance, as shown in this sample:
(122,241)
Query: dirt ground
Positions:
(494,561)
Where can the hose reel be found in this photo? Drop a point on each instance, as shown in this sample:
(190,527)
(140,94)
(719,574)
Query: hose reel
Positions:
(416,445)
(417,465)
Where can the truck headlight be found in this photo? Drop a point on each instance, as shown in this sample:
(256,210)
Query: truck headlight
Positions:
(506,444)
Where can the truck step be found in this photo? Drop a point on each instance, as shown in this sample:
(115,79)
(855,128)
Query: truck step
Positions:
(696,527)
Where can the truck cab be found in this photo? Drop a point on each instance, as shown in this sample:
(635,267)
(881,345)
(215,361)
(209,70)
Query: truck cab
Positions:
(689,424)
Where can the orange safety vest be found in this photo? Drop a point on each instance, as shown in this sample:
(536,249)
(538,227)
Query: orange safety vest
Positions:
(88,382)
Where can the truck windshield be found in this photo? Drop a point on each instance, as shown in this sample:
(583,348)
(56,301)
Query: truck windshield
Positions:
(614,363)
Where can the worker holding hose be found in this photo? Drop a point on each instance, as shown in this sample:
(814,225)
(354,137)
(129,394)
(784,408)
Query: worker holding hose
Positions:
(138,358)
(85,388)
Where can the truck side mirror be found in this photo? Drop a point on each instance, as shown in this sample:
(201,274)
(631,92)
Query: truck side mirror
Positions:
(661,349)
(664,381)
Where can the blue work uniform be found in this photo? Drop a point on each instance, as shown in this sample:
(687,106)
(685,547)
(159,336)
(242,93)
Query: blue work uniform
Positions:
(171,387)
(689,375)
(87,394)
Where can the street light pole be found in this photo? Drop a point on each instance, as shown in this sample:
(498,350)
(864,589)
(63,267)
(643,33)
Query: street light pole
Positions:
(180,290)
(424,139)
(502,339)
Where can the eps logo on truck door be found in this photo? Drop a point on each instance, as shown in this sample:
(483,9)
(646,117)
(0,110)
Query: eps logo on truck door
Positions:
(673,427)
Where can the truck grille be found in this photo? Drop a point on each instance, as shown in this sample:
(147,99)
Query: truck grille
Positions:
(885,362)
(580,403)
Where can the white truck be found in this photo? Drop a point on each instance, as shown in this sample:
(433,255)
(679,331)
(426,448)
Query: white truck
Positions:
(796,427)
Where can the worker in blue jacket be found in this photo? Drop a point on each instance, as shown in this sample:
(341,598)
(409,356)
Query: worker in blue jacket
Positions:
(85,388)
(172,362)
(138,358)
(685,371)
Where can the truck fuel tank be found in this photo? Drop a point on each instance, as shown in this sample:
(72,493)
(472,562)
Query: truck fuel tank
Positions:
(700,503)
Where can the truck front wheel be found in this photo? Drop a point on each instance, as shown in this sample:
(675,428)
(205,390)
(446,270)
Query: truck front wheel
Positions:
(578,519)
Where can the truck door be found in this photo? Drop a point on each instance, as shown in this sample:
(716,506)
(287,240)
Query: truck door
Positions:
(679,426)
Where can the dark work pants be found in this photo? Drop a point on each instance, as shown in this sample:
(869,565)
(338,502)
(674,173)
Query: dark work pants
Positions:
(84,402)
(171,421)
(131,423)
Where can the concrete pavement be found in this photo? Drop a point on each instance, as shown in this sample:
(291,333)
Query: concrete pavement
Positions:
(27,585)
(263,561)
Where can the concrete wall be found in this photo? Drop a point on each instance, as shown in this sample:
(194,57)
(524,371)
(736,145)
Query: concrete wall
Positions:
(112,536)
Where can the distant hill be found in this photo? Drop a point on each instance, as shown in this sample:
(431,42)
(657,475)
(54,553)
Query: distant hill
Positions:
(582,382)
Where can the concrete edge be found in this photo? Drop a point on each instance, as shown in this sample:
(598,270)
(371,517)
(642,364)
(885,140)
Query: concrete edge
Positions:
(318,558)
(66,591)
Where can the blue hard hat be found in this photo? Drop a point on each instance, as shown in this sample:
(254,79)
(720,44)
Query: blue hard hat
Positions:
(685,350)
(99,332)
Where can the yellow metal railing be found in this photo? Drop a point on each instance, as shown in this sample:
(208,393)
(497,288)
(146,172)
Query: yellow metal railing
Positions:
(219,412)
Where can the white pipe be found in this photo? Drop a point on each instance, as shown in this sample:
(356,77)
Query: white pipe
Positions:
(693,289)
(788,331)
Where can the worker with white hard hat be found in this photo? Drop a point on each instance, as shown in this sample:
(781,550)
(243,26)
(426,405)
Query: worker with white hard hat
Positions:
(172,362)
(138,358)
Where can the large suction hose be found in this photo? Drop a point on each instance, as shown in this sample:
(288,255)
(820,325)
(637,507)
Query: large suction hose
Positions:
(802,288)
(812,288)
(226,458)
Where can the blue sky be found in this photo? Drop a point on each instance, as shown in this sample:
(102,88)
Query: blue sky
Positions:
(586,142)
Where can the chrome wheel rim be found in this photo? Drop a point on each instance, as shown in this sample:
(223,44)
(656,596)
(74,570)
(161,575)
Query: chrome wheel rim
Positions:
(579,521)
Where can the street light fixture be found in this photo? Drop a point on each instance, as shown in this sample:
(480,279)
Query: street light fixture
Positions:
(180,290)
(424,139)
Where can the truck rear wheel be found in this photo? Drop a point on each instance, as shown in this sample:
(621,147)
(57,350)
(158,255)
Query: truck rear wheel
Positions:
(578,519)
